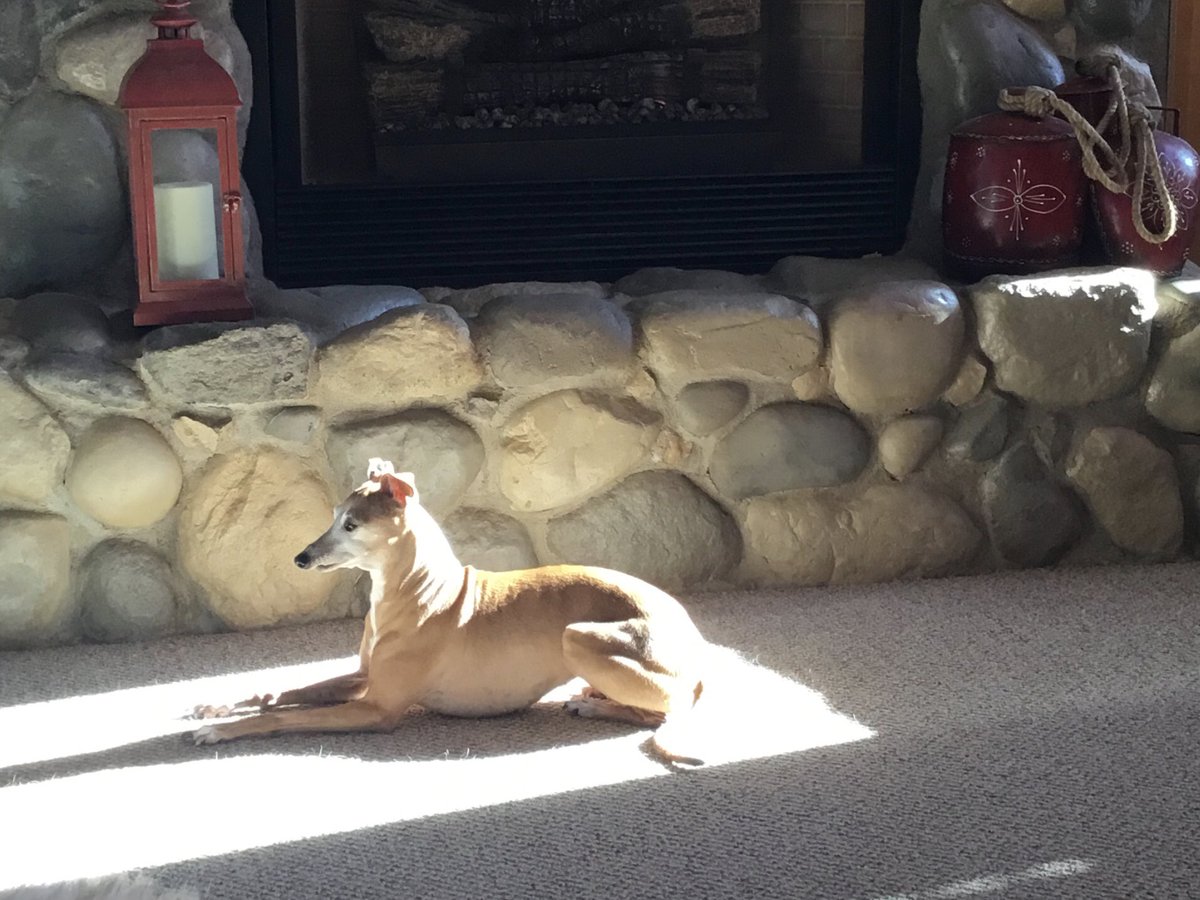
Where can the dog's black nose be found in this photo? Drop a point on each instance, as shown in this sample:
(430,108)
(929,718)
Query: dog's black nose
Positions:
(303,560)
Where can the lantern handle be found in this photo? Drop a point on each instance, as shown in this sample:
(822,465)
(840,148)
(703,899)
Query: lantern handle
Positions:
(231,202)
(173,19)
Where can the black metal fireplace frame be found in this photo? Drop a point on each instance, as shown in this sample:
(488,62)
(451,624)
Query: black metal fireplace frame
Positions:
(575,229)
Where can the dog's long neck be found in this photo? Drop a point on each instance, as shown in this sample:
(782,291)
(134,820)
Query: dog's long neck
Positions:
(424,575)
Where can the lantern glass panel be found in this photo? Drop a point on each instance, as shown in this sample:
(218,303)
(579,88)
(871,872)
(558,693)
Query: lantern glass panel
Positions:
(187,204)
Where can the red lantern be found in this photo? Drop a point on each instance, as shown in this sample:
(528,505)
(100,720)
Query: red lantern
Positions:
(1013,198)
(187,222)
(1114,212)
(1090,96)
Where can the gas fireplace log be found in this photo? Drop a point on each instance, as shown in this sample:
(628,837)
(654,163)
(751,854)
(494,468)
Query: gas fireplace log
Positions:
(412,30)
(622,78)
(727,76)
(404,95)
(644,25)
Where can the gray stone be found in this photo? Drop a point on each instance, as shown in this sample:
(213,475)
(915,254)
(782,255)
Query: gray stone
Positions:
(708,406)
(469,302)
(529,340)
(967,52)
(328,311)
(227,364)
(20,47)
(93,58)
(788,446)
(905,444)
(1066,339)
(654,525)
(124,474)
(443,453)
(562,447)
(981,430)
(1032,520)
(57,322)
(1173,391)
(408,355)
(294,424)
(127,592)
(490,540)
(1039,10)
(13,352)
(887,532)
(895,346)
(687,335)
(1132,489)
(34,447)
(656,280)
(35,579)
(971,377)
(72,378)
(63,212)
(242,522)
(1111,19)
(817,280)
(1178,303)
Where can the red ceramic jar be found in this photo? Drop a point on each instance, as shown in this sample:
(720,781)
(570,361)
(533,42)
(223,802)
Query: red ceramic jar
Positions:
(1013,198)
(1114,212)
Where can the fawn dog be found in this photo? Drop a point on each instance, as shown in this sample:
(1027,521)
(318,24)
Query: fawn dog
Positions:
(464,642)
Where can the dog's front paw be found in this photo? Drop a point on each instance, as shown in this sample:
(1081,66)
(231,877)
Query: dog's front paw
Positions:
(205,711)
(207,734)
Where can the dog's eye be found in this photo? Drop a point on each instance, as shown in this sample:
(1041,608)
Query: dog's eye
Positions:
(349,525)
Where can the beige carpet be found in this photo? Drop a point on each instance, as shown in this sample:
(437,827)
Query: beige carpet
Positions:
(1027,735)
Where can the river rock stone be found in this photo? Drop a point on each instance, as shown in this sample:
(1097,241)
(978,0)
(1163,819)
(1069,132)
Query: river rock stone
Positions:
(20,48)
(1132,489)
(124,474)
(34,448)
(787,446)
(411,354)
(1173,392)
(895,346)
(1066,339)
(967,384)
(444,454)
(1111,19)
(528,340)
(54,322)
(887,532)
(227,364)
(1039,10)
(63,212)
(241,524)
(655,525)
(76,379)
(687,335)
(489,540)
(35,579)
(904,444)
(657,279)
(817,280)
(127,592)
(13,352)
(981,429)
(1178,303)
(294,424)
(197,435)
(467,303)
(566,445)
(328,311)
(708,406)
(1031,519)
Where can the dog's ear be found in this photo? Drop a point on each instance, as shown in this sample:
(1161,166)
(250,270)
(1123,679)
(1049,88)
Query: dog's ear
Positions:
(400,487)
(377,468)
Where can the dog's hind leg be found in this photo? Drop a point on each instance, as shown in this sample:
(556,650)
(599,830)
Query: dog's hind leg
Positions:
(357,715)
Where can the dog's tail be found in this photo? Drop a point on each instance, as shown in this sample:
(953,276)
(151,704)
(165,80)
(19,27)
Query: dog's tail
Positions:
(677,740)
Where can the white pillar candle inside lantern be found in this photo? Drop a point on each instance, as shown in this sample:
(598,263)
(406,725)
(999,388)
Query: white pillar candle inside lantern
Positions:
(186,227)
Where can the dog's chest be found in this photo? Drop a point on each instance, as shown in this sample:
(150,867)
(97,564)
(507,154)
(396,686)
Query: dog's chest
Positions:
(476,680)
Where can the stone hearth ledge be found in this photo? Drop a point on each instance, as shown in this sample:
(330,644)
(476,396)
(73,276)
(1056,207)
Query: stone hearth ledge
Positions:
(830,421)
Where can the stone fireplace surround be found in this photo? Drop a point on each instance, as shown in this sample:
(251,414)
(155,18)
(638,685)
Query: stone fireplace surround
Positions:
(828,421)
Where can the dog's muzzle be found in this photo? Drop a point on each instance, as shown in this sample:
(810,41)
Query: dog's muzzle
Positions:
(303,560)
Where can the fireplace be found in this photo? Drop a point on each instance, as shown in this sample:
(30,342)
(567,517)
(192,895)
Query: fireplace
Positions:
(464,141)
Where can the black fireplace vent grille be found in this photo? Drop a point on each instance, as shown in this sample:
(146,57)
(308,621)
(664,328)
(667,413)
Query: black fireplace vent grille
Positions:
(602,229)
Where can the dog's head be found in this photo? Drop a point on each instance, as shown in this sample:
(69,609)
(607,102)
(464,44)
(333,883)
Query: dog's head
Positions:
(366,523)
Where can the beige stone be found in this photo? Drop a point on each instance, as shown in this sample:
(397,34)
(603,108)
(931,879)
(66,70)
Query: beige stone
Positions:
(566,445)
(812,386)
(904,444)
(893,347)
(972,375)
(691,335)
(240,527)
(1068,338)
(1131,487)
(195,434)
(819,280)
(467,303)
(708,406)
(1039,10)
(887,532)
(124,474)
(1173,391)
(33,449)
(657,279)
(35,579)
(407,355)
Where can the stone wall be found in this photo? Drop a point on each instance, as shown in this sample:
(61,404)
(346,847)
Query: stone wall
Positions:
(833,421)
